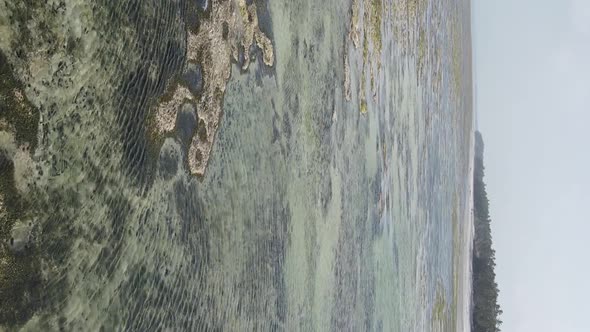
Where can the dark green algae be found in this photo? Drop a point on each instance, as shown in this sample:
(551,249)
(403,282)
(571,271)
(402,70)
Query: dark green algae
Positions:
(20,271)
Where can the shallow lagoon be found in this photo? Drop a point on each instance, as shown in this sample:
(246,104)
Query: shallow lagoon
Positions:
(315,212)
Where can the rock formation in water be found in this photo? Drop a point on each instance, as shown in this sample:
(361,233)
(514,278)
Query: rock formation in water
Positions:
(365,24)
(227,31)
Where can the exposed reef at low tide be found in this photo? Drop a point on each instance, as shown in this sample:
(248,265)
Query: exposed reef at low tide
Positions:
(227,32)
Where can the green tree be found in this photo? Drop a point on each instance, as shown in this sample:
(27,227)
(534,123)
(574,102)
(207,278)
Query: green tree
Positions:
(486,310)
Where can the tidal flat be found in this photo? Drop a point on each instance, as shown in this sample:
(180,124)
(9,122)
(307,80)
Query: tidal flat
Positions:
(235,165)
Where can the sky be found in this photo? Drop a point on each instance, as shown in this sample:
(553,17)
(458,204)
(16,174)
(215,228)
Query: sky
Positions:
(532,62)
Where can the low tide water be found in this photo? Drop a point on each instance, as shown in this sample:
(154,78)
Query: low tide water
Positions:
(317,211)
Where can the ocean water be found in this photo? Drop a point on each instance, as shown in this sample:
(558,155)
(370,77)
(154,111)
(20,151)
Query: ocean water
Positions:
(315,213)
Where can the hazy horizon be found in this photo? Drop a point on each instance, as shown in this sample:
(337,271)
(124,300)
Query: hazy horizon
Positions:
(532,93)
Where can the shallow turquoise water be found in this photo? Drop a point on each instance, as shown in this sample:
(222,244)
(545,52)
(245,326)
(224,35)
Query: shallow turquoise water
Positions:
(311,216)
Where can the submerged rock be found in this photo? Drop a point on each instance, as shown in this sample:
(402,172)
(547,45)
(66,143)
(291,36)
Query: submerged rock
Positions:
(20,236)
(186,123)
(202,4)
(193,78)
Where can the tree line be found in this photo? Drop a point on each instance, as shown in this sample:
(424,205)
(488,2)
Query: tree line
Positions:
(485,308)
